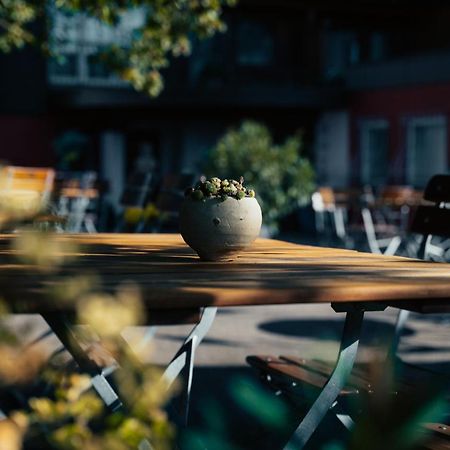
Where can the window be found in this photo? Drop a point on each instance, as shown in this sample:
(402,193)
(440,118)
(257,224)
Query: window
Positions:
(426,154)
(374,144)
(76,39)
(341,49)
(254,45)
(377,46)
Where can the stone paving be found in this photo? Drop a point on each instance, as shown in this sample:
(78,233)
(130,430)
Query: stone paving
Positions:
(301,330)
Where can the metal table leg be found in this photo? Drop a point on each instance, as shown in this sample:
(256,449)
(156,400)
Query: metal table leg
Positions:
(61,327)
(182,361)
(402,317)
(334,385)
(184,358)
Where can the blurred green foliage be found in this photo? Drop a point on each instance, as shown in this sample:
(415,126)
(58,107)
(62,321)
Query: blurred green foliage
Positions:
(56,406)
(167,31)
(268,414)
(281,176)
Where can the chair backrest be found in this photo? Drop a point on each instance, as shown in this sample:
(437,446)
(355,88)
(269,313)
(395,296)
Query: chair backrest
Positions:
(77,184)
(27,179)
(323,199)
(438,189)
(327,194)
(397,195)
(434,219)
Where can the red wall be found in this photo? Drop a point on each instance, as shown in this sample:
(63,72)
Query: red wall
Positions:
(26,140)
(396,105)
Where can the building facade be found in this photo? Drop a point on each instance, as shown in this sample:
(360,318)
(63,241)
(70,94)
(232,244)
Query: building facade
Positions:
(370,89)
(394,65)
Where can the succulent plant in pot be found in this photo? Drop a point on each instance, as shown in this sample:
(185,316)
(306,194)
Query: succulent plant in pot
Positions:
(220,218)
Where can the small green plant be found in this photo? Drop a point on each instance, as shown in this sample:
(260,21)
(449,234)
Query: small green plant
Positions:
(282,176)
(215,187)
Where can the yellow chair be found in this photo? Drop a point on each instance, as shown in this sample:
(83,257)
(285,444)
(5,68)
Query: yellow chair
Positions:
(24,191)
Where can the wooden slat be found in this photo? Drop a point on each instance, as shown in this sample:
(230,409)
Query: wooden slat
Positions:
(291,372)
(436,443)
(27,178)
(361,378)
(358,379)
(441,429)
(440,437)
(171,275)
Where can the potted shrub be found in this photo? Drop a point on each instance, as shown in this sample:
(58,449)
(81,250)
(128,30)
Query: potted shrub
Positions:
(283,178)
(219,218)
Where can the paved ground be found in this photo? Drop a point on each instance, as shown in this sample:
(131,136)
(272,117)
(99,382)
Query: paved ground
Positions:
(302,330)
(306,330)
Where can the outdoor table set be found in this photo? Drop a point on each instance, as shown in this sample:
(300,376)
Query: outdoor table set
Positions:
(178,288)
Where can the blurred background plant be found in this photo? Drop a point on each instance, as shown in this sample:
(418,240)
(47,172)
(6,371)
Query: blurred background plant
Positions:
(166,31)
(282,178)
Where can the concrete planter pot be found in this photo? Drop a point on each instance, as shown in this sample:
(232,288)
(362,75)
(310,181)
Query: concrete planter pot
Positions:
(218,230)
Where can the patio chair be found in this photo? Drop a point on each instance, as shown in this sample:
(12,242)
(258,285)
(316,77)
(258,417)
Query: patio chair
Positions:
(324,203)
(287,374)
(134,199)
(76,201)
(26,190)
(38,179)
(386,220)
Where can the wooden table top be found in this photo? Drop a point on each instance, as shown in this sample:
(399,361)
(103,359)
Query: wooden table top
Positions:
(270,272)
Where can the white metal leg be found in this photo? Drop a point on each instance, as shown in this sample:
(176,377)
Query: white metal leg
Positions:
(339,222)
(334,385)
(63,330)
(346,420)
(180,360)
(184,358)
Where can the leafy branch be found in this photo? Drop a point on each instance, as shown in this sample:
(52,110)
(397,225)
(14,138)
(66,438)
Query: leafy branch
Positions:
(166,31)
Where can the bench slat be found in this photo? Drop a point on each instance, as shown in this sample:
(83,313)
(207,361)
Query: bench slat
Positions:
(276,366)
(355,379)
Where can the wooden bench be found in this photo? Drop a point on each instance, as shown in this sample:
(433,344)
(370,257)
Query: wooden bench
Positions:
(284,370)
(439,438)
(297,377)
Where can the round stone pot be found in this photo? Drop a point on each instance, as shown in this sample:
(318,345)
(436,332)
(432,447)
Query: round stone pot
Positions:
(219,229)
